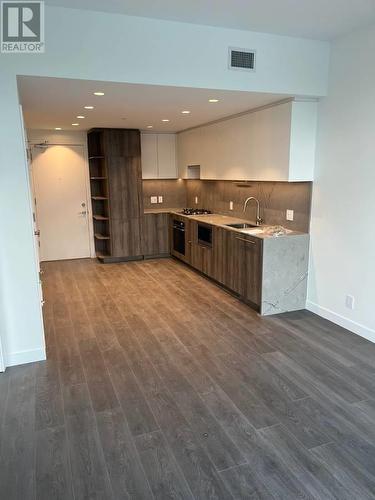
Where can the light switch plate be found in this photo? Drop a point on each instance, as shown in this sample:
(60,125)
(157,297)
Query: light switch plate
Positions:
(290,215)
(154,199)
(160,199)
(231,205)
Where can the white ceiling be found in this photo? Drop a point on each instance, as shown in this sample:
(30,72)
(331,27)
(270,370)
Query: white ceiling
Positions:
(55,102)
(319,19)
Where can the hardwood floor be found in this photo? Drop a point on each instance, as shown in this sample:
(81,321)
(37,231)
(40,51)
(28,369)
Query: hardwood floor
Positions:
(159,384)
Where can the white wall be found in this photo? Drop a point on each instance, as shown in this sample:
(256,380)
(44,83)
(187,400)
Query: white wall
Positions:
(3,322)
(98,46)
(343,235)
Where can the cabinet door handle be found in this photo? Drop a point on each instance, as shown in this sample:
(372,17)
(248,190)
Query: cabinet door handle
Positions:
(245,240)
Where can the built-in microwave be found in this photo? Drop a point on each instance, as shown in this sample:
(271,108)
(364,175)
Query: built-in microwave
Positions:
(205,235)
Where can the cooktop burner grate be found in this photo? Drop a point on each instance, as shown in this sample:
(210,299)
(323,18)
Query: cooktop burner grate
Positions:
(196,211)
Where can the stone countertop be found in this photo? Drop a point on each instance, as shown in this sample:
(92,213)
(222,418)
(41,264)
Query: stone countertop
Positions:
(162,210)
(261,232)
(220,220)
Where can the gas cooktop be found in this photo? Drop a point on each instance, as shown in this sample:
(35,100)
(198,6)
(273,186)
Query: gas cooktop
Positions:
(196,211)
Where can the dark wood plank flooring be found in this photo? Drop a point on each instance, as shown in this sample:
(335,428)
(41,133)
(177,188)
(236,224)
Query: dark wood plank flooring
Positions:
(161,385)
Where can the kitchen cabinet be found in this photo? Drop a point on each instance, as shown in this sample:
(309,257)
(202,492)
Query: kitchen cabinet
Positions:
(228,262)
(269,274)
(276,143)
(238,263)
(189,150)
(149,156)
(116,193)
(158,156)
(201,254)
(223,256)
(248,275)
(234,260)
(167,162)
(155,230)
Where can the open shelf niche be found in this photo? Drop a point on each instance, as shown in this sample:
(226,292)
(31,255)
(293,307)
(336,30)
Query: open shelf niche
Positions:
(99,195)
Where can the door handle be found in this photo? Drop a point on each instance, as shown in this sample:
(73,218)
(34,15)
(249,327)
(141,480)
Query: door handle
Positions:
(245,240)
(84,212)
(37,232)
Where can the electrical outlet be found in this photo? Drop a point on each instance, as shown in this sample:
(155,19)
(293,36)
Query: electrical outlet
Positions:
(154,199)
(231,205)
(160,199)
(196,200)
(290,215)
(349,301)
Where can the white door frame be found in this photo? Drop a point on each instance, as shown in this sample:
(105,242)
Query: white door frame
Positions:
(43,140)
(29,195)
(2,366)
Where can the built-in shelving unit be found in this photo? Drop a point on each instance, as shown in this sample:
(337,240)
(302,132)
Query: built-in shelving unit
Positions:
(116,193)
(99,195)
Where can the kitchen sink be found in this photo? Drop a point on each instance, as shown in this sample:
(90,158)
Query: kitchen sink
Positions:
(243,225)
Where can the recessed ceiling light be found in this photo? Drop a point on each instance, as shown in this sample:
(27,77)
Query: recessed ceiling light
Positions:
(213,100)
(57,128)
(149,126)
(89,107)
(81,117)
(185,112)
(98,93)
(75,124)
(165,120)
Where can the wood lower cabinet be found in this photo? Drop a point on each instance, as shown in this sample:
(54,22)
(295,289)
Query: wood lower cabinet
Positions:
(234,260)
(155,235)
(202,257)
(228,253)
(238,263)
(126,238)
(248,272)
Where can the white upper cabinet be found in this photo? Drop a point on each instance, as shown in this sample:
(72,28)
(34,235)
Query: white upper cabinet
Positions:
(276,143)
(167,156)
(149,156)
(158,156)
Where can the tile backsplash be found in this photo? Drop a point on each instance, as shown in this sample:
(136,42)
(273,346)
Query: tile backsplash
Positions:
(173,192)
(275,198)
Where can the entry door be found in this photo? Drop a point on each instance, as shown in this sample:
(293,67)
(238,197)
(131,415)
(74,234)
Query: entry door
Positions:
(61,202)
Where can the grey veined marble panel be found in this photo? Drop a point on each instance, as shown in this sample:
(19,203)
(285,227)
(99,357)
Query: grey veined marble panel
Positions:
(285,269)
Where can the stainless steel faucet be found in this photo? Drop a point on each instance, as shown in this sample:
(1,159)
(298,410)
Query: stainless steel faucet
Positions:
(259,219)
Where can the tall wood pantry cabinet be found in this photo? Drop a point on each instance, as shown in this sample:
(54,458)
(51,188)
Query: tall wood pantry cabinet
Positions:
(116,193)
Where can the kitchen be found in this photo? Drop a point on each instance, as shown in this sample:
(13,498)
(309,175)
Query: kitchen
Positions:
(252,169)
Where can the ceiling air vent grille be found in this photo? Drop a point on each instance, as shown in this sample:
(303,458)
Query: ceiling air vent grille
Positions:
(243,59)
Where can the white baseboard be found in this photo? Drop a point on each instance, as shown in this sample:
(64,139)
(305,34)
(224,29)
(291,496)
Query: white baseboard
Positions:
(357,328)
(23,357)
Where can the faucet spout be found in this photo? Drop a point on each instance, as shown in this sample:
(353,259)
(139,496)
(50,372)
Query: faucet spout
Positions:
(259,220)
